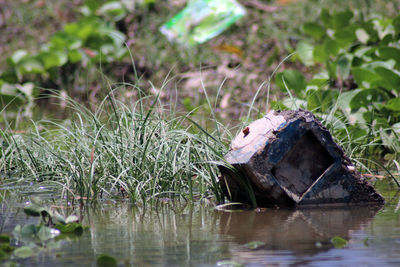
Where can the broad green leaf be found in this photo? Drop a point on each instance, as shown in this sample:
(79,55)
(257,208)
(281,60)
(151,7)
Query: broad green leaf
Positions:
(30,65)
(293,79)
(321,100)
(105,260)
(364,77)
(393,104)
(365,98)
(17,56)
(314,29)
(389,53)
(396,25)
(74,56)
(390,76)
(345,36)
(331,46)
(114,10)
(339,242)
(326,18)
(23,252)
(343,66)
(344,99)
(52,59)
(341,19)
(319,54)
(362,35)
(305,52)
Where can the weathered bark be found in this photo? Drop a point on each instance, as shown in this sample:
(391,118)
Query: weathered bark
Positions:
(290,158)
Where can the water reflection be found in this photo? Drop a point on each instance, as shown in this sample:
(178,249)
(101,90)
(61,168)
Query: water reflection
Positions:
(302,231)
(174,235)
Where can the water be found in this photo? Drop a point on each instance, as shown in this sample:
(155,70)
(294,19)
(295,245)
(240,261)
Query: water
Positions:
(179,235)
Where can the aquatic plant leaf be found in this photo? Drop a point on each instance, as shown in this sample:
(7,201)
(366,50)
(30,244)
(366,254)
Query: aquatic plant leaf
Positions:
(44,233)
(339,242)
(4,238)
(75,228)
(229,263)
(59,218)
(23,252)
(3,254)
(105,260)
(71,219)
(33,210)
(254,244)
(7,248)
(29,231)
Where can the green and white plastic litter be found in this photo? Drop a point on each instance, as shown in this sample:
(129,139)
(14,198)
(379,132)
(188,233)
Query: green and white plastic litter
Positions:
(202,20)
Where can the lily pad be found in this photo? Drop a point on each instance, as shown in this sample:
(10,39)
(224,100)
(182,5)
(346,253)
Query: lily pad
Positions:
(104,260)
(75,228)
(23,252)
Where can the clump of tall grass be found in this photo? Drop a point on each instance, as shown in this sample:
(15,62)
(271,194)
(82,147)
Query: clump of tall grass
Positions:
(144,150)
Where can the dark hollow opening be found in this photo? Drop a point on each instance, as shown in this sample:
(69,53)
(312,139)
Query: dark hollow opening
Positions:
(305,162)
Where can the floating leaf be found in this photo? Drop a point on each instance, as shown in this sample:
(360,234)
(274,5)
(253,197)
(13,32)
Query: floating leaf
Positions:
(254,244)
(105,260)
(29,231)
(23,252)
(75,228)
(339,242)
(45,233)
(4,238)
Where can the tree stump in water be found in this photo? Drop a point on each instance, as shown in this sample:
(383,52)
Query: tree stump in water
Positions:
(289,158)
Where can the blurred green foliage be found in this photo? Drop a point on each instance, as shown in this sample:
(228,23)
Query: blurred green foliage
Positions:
(357,63)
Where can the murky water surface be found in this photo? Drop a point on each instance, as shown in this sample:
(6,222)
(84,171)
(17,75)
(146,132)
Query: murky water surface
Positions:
(178,235)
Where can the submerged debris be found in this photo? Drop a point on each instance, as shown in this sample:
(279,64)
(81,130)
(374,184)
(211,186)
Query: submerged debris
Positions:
(289,158)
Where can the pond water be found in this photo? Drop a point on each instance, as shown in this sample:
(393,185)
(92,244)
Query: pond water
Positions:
(199,235)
